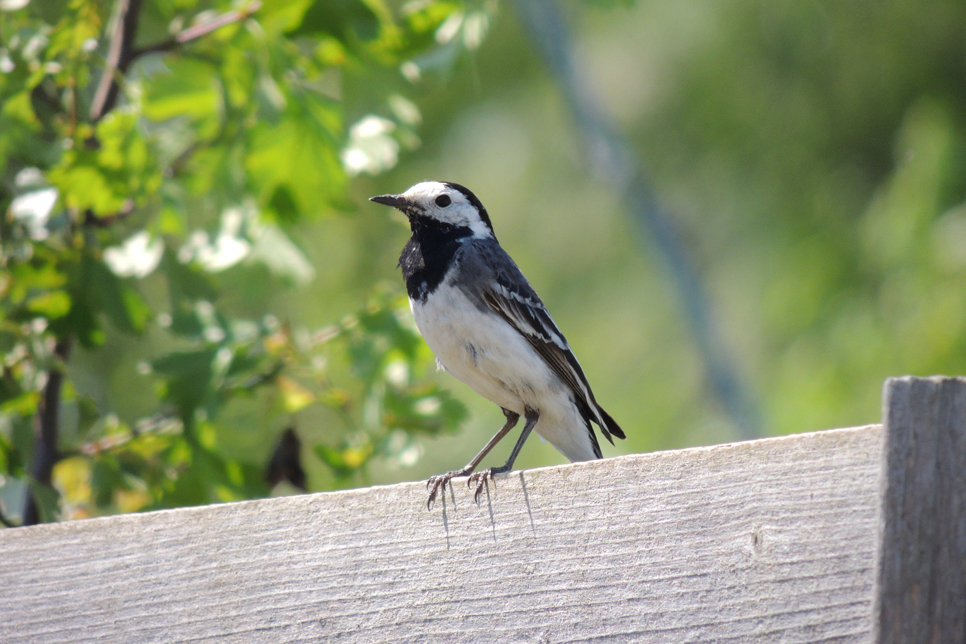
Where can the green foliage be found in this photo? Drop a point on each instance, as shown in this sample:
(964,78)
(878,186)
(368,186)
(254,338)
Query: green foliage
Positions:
(397,403)
(224,133)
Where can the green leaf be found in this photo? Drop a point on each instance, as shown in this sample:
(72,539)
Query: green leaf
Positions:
(186,283)
(347,20)
(188,89)
(282,205)
(188,376)
(47,500)
(24,404)
(121,303)
(82,322)
(53,304)
(282,15)
(295,397)
(106,477)
(428,412)
(346,461)
(84,186)
(210,478)
(297,155)
(105,179)
(36,275)
(19,108)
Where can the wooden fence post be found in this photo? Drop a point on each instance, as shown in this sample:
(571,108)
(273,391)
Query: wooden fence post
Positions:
(920,593)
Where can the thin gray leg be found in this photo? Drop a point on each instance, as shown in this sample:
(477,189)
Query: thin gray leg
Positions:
(480,478)
(437,484)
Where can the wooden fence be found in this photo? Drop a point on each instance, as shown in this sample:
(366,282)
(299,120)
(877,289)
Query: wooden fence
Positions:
(849,535)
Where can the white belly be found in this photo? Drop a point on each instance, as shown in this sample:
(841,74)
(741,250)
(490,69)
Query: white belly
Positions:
(498,363)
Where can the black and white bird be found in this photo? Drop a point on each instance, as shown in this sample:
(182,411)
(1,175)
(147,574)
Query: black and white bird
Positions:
(488,327)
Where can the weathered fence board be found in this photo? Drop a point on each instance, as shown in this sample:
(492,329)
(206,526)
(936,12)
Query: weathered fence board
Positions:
(763,541)
(921,564)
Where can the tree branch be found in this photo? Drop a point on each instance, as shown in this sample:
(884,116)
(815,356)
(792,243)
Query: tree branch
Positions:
(46,427)
(91,219)
(122,51)
(158,424)
(194,32)
(119,58)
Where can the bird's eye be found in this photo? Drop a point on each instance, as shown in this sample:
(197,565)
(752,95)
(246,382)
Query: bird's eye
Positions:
(443,200)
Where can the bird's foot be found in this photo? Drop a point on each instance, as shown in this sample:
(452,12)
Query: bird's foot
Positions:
(437,484)
(480,478)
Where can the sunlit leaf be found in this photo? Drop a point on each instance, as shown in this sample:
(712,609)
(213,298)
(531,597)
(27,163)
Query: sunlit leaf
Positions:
(187,89)
(283,15)
(53,304)
(344,462)
(24,404)
(295,397)
(299,155)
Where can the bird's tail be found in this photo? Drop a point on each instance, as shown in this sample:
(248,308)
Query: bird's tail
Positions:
(610,426)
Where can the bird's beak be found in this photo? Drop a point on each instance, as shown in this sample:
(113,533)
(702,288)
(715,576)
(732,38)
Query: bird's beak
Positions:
(389,200)
(395,201)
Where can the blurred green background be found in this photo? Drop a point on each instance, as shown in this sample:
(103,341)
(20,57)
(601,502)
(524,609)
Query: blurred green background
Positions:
(810,158)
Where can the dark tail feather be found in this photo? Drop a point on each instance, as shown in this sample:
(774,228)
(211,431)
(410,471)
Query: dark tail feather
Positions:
(612,427)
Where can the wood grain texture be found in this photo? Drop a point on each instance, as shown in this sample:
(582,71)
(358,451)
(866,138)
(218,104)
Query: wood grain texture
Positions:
(763,541)
(921,562)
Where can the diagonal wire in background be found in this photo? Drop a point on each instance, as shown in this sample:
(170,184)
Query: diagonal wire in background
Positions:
(613,161)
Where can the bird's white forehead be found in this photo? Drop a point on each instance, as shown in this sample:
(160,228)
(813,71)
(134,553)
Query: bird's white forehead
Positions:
(429,190)
(458,212)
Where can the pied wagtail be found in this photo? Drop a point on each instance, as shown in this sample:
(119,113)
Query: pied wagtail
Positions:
(488,327)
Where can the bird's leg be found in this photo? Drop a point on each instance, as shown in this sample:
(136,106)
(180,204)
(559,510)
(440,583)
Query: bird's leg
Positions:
(480,478)
(437,484)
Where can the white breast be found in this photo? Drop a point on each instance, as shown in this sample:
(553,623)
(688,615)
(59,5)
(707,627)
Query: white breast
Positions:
(481,349)
(496,361)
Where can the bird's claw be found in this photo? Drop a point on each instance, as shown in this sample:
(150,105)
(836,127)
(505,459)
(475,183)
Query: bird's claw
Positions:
(434,484)
(480,478)
(437,485)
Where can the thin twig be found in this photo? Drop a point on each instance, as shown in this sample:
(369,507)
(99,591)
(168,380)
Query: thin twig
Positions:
(122,51)
(194,32)
(118,58)
(91,218)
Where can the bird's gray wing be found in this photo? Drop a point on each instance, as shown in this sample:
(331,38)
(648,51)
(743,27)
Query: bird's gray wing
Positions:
(502,287)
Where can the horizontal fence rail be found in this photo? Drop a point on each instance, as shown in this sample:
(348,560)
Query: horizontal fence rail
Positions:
(774,540)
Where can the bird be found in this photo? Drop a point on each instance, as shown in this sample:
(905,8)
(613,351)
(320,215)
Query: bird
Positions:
(489,328)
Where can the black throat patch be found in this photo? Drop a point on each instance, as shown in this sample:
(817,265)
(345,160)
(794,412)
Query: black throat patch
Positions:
(428,255)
